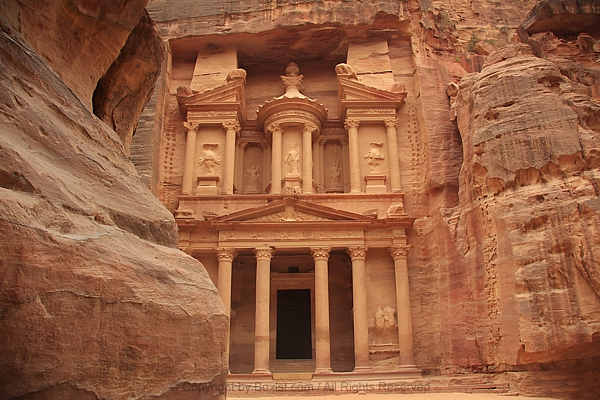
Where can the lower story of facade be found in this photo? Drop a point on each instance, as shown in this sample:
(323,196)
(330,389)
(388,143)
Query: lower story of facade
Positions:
(311,283)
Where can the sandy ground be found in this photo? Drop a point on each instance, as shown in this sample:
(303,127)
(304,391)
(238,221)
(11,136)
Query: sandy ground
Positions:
(421,396)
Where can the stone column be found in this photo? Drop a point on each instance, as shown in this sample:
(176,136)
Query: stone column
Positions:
(190,156)
(394,161)
(345,162)
(225,256)
(275,158)
(323,350)
(405,331)
(238,179)
(231,129)
(322,165)
(266,169)
(352,127)
(307,158)
(358,254)
(261,322)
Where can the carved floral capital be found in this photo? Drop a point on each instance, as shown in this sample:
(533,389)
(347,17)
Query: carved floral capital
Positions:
(351,123)
(231,125)
(358,252)
(399,251)
(310,127)
(225,253)
(263,253)
(320,253)
(391,123)
(274,127)
(191,126)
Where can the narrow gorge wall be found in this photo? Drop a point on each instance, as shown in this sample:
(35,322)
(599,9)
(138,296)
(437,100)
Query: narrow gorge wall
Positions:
(95,299)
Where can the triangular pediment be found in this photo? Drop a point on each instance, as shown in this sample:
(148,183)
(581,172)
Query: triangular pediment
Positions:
(291,210)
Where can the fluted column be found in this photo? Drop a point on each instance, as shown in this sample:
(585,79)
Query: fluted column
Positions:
(190,155)
(275,158)
(225,256)
(358,254)
(231,129)
(307,158)
(323,347)
(261,322)
(352,127)
(405,331)
(393,158)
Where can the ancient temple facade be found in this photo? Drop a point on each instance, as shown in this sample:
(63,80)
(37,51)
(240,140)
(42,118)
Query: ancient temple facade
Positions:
(294,204)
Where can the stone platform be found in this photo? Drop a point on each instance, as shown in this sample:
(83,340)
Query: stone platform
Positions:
(396,382)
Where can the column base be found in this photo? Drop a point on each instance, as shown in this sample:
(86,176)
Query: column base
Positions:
(319,371)
(261,371)
(363,369)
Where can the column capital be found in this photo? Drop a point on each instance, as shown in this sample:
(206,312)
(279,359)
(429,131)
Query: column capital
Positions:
(264,253)
(322,141)
(389,123)
(358,252)
(225,253)
(399,252)
(264,144)
(242,143)
(351,123)
(191,126)
(231,125)
(344,141)
(320,253)
(310,127)
(274,127)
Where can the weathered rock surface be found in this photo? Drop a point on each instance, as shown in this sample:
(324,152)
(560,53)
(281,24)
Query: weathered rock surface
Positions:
(124,90)
(95,299)
(55,31)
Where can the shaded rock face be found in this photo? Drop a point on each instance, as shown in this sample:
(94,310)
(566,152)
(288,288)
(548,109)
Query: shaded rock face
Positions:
(124,90)
(95,299)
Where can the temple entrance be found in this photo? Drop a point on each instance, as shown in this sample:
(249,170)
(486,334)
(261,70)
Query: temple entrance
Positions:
(293,324)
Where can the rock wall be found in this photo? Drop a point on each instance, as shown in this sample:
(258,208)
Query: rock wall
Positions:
(95,299)
(503,268)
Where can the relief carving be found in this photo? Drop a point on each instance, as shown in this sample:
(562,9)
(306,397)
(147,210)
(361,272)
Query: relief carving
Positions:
(252,176)
(333,173)
(293,160)
(385,324)
(374,155)
(209,159)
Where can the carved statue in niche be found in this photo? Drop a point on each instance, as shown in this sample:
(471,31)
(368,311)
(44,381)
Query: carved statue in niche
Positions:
(333,172)
(374,155)
(293,160)
(385,324)
(209,159)
(252,178)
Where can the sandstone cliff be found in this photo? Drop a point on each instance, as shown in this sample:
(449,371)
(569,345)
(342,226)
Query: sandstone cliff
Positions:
(95,299)
(500,169)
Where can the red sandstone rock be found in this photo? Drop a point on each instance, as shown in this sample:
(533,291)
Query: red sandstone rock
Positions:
(96,301)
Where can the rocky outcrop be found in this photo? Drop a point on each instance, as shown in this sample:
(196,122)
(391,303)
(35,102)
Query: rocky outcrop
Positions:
(124,90)
(95,299)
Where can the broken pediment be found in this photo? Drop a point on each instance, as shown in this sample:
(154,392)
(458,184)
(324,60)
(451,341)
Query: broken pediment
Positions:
(291,210)
(357,98)
(227,97)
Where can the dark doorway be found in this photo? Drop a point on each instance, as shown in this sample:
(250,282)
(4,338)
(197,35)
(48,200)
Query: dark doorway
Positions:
(293,324)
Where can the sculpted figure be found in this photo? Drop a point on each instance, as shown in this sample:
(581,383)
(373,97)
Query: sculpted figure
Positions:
(333,168)
(252,177)
(209,159)
(293,160)
(346,69)
(385,323)
(374,155)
